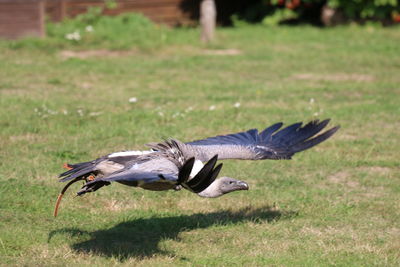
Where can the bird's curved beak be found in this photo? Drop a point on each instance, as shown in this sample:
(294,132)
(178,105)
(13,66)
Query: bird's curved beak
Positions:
(242,185)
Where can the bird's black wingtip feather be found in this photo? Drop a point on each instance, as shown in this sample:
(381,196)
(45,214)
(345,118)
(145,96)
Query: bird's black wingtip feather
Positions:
(315,140)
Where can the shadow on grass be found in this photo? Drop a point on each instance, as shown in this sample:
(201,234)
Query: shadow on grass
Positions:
(140,237)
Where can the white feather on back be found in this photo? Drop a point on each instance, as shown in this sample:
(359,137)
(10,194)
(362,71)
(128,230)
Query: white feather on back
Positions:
(198,165)
(129,153)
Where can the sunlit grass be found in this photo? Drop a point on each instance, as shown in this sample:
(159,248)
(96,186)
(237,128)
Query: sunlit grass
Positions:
(337,204)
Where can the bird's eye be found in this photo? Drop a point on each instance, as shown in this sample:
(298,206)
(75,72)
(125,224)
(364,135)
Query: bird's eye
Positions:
(231,182)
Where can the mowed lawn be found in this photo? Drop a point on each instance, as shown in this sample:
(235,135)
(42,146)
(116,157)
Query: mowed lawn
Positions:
(337,204)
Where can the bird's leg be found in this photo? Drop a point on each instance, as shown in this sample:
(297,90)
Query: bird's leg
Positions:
(88,178)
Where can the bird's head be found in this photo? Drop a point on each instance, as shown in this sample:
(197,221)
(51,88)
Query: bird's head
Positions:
(223,185)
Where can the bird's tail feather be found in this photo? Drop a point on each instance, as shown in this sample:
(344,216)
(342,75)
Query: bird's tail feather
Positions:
(62,194)
(79,170)
(75,173)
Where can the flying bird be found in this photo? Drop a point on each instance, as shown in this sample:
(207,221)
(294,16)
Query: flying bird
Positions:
(172,164)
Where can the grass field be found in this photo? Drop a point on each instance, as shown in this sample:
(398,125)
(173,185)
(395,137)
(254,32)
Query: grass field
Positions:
(334,205)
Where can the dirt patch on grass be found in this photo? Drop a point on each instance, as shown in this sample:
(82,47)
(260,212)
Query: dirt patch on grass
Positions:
(104,53)
(347,137)
(222,52)
(329,231)
(353,189)
(29,137)
(343,178)
(358,240)
(115,205)
(334,77)
(375,170)
(66,54)
(15,92)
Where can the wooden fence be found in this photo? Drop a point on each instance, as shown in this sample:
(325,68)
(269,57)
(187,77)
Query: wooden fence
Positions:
(21,18)
(171,12)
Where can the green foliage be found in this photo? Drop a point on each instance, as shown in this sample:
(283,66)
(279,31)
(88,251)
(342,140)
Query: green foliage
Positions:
(278,16)
(93,30)
(119,32)
(381,9)
(278,10)
(111,4)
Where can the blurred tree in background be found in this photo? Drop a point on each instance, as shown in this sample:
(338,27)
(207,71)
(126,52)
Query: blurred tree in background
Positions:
(327,12)
(208,19)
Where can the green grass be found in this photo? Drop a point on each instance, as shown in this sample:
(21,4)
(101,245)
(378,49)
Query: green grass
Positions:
(336,204)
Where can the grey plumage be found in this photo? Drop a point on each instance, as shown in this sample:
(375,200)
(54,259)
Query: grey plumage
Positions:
(269,144)
(172,164)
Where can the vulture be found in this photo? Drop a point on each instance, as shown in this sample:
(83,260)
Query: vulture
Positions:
(172,164)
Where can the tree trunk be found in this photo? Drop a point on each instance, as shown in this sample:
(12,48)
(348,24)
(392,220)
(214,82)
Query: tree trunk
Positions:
(332,16)
(208,16)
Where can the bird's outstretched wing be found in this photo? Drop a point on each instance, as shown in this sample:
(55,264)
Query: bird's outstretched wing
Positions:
(271,143)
